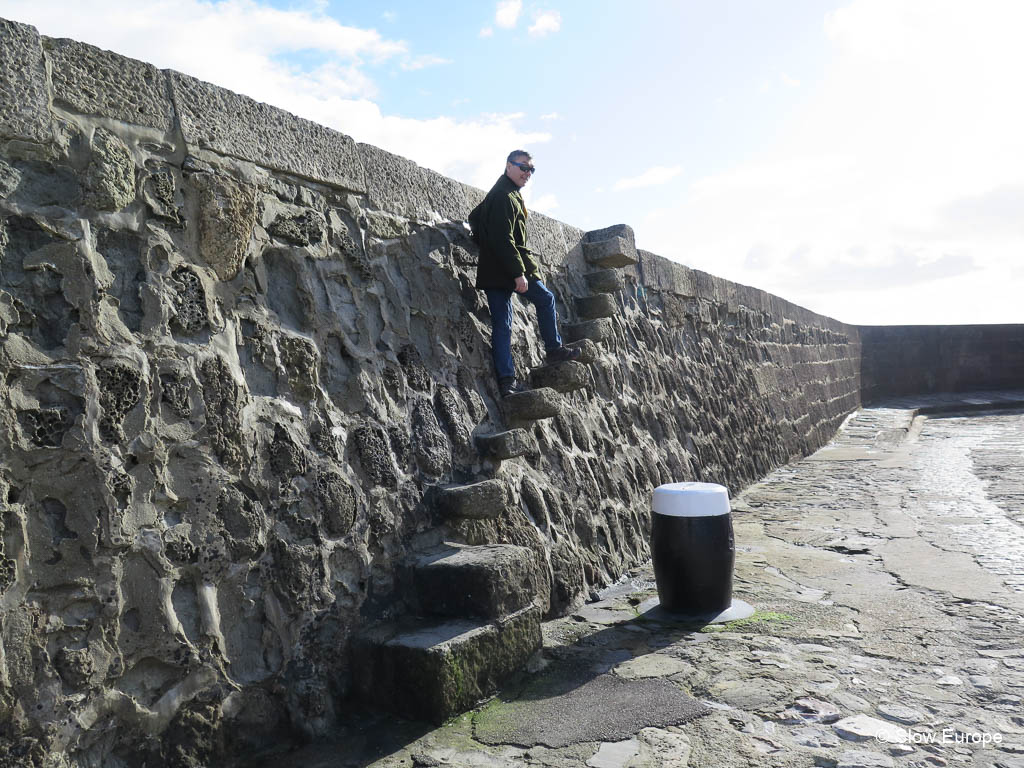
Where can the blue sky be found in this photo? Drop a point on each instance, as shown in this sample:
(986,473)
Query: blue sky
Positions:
(859,157)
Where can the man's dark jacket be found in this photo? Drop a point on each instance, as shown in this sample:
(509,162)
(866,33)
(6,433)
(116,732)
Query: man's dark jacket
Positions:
(503,252)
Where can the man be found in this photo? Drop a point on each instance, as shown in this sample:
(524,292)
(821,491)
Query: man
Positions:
(508,266)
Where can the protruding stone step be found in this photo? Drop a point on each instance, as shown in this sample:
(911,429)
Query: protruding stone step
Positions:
(564,377)
(595,330)
(432,671)
(506,445)
(532,405)
(599,305)
(488,581)
(589,351)
(486,499)
(604,281)
(613,252)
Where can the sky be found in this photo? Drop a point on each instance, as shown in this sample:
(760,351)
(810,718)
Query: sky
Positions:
(861,158)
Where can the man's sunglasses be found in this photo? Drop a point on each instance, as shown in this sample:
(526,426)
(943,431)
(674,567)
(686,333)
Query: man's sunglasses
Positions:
(523,166)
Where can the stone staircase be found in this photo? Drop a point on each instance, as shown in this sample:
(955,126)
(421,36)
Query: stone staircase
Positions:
(474,616)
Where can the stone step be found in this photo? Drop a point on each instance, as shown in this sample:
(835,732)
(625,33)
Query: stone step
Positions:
(604,281)
(599,305)
(589,351)
(434,670)
(486,499)
(488,581)
(613,252)
(595,330)
(532,405)
(507,445)
(563,377)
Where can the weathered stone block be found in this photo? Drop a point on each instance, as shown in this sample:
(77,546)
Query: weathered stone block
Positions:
(394,183)
(92,81)
(24,112)
(613,252)
(564,377)
(506,445)
(532,405)
(227,213)
(110,177)
(216,119)
(434,671)
(604,281)
(593,307)
(488,582)
(447,197)
(595,330)
(486,499)
(545,237)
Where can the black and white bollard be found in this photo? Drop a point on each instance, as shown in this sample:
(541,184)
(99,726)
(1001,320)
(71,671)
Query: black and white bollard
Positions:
(694,552)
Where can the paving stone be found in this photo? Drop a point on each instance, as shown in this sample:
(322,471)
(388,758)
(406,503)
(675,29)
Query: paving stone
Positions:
(617,754)
(507,445)
(865,727)
(855,758)
(486,499)
(899,713)
(24,99)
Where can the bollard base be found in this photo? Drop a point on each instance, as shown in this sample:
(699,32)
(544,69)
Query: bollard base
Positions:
(651,610)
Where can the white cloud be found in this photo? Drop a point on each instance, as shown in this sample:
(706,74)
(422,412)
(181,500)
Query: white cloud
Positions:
(545,23)
(550,116)
(545,204)
(389,16)
(507,13)
(789,82)
(239,44)
(421,62)
(487,32)
(905,169)
(659,174)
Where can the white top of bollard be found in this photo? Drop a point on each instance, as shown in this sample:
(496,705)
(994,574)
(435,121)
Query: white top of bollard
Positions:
(691,500)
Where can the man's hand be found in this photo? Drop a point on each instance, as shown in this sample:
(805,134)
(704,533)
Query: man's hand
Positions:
(521,284)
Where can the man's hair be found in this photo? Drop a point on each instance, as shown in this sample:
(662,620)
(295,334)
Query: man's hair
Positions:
(515,154)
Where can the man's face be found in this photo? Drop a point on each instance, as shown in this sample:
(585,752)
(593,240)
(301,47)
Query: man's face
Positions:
(519,170)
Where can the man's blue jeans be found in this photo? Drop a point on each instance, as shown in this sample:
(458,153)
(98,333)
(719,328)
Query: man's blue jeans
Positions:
(500,304)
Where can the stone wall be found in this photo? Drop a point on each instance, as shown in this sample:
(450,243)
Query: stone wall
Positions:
(240,353)
(913,359)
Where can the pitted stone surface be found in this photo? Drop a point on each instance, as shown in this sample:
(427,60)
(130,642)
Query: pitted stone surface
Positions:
(235,125)
(610,253)
(92,81)
(24,112)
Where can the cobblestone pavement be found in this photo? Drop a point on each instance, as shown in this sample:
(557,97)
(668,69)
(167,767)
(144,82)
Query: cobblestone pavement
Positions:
(888,574)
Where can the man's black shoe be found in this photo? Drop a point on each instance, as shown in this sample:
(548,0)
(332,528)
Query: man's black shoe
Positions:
(562,354)
(510,386)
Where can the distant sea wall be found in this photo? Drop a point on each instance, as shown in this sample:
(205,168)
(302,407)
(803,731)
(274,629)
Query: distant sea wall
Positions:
(912,359)
(242,359)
